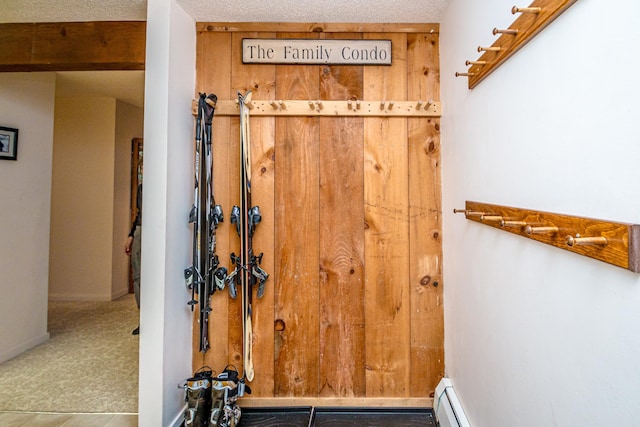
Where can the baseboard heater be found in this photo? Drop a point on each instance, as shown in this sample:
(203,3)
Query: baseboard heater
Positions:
(447,407)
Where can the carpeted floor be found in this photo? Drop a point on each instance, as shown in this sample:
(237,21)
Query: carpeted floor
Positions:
(89,364)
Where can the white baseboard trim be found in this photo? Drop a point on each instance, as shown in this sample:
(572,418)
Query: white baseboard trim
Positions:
(22,347)
(119,293)
(177,420)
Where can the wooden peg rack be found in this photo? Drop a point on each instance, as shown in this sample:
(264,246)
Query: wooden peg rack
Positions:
(290,107)
(612,242)
(530,22)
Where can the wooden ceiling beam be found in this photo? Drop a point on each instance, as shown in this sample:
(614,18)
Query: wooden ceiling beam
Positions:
(73,46)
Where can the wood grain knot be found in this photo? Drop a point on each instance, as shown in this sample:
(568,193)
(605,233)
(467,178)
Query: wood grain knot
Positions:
(271,154)
(279,325)
(437,126)
(431,147)
(425,280)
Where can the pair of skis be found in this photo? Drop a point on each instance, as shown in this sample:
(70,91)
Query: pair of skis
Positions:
(206,276)
(247,272)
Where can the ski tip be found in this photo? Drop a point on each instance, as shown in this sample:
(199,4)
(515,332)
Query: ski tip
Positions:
(246,98)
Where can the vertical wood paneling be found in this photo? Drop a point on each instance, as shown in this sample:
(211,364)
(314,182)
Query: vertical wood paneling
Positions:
(427,332)
(260,79)
(342,346)
(215,77)
(387,307)
(351,229)
(263,159)
(297,222)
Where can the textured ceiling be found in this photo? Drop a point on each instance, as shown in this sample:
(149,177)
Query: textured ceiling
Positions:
(370,11)
(383,11)
(72,10)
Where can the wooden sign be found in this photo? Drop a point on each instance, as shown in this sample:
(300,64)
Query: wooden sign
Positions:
(314,51)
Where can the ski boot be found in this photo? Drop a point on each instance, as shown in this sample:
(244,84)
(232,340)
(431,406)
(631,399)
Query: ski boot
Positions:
(197,394)
(226,388)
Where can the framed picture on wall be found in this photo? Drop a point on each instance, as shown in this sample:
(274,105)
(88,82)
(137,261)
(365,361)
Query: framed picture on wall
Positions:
(8,143)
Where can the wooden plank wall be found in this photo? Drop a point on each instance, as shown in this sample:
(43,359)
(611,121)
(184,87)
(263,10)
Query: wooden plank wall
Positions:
(351,229)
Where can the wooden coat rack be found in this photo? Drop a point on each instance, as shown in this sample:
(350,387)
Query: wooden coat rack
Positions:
(530,22)
(616,243)
(355,108)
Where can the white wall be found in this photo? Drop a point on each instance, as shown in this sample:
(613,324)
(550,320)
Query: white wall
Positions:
(534,335)
(165,319)
(82,199)
(26,103)
(91,197)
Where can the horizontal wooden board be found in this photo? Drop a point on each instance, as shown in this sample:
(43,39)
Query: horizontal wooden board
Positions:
(371,402)
(526,27)
(612,242)
(68,46)
(314,27)
(348,108)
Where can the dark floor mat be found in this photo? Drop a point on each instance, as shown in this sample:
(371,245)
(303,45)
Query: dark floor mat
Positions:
(272,417)
(337,417)
(373,417)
